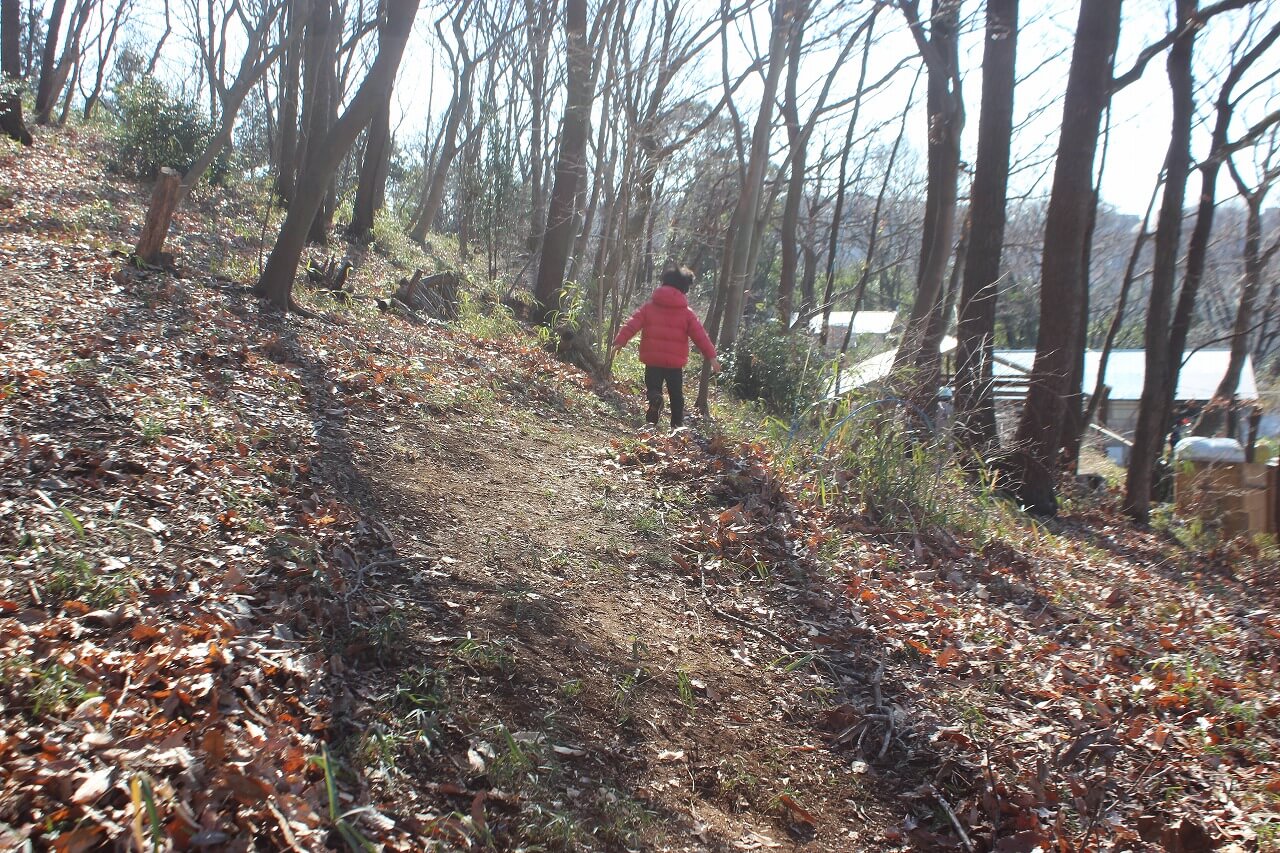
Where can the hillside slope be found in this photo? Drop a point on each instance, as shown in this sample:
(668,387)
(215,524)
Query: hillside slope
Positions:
(274,583)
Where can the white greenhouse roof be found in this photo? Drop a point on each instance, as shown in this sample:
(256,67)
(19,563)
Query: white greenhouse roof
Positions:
(867,322)
(1198,380)
(1127,368)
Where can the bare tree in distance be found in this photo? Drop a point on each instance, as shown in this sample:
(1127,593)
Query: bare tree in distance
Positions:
(945,112)
(214,35)
(1256,259)
(734,268)
(324,153)
(1149,433)
(1100,389)
(289,91)
(11,121)
(570,163)
(55,67)
(975,403)
(462,17)
(104,43)
(798,136)
(1166,328)
(1034,466)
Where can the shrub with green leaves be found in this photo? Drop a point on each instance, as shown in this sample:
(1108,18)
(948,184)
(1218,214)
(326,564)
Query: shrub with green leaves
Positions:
(780,369)
(158,129)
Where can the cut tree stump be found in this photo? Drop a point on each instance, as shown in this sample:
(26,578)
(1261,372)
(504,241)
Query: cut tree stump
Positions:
(575,347)
(164,200)
(434,295)
(331,277)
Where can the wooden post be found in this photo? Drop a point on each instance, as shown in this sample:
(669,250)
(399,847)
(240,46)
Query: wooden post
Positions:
(164,199)
(1255,423)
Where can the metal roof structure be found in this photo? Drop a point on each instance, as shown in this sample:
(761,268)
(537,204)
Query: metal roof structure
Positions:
(867,322)
(1126,370)
(1201,372)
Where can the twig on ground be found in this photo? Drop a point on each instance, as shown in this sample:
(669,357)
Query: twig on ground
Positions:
(955,821)
(764,632)
(888,738)
(128,682)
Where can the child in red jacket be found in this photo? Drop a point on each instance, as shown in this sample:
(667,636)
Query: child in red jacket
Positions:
(666,324)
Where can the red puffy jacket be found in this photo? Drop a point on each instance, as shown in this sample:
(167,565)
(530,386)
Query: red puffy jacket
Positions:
(666,323)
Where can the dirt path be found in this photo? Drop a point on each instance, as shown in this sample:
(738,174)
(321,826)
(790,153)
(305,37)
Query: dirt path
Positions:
(522,667)
(573,673)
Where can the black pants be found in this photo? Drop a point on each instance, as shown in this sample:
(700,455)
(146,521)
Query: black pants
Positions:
(653,379)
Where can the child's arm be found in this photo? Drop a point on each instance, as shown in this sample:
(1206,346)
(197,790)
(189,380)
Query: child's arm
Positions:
(629,328)
(701,341)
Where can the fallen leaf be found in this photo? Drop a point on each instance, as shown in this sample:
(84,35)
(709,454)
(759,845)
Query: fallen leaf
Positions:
(78,840)
(797,811)
(94,786)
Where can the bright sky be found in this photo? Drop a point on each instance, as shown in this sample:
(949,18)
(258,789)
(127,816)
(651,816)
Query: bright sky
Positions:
(1140,114)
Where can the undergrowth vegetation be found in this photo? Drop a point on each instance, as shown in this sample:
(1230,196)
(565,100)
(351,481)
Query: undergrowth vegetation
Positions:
(467,605)
(158,129)
(780,369)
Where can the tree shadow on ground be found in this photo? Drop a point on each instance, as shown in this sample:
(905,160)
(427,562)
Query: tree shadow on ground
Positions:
(463,662)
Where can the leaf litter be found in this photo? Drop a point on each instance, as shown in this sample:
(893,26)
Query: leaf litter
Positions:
(199,599)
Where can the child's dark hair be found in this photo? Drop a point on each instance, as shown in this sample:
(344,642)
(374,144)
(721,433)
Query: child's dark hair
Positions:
(680,278)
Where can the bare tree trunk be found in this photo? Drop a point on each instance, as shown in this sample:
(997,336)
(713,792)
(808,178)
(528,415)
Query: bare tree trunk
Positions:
(798,137)
(372,189)
(49,61)
(464,67)
(1117,319)
(795,181)
(1034,464)
(570,162)
(11,72)
(31,40)
(1202,233)
(538,34)
(164,36)
(256,60)
(1255,262)
(325,153)
(603,172)
(1267,331)
(52,85)
(833,238)
(69,88)
(100,76)
(1073,414)
(1148,436)
(930,371)
(317,101)
(975,424)
(290,83)
(946,120)
(735,272)
(808,282)
(860,290)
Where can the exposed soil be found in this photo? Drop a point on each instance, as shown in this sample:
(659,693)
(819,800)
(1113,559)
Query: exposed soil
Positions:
(273,583)
(651,720)
(451,582)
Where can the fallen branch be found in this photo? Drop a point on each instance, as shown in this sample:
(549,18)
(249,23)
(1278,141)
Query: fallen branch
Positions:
(951,815)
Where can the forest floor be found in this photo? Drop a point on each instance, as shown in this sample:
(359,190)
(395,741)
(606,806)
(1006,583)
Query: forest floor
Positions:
(275,583)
